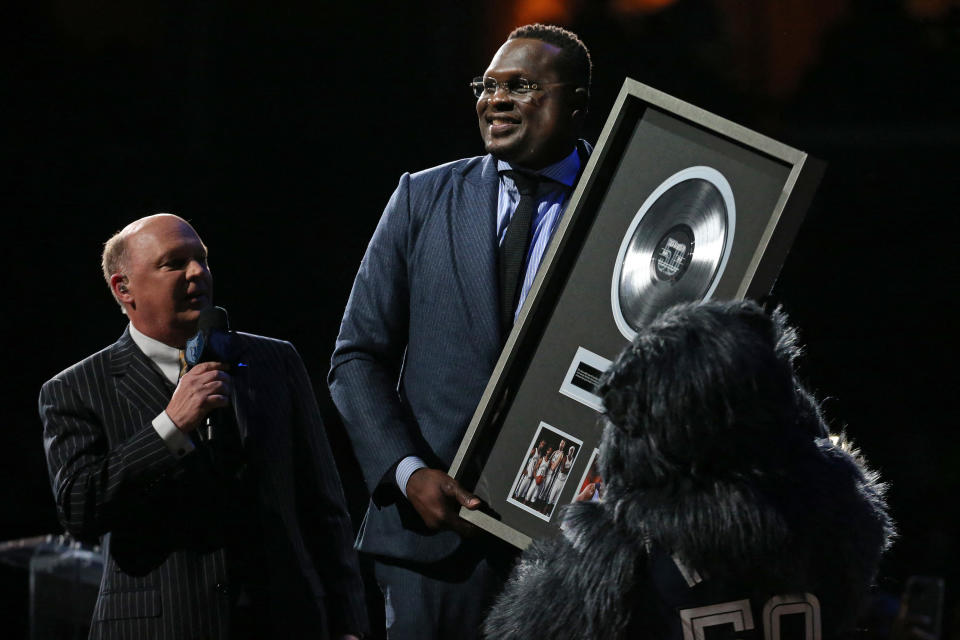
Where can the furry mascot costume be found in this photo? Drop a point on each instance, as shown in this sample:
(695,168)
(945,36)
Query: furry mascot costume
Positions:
(728,509)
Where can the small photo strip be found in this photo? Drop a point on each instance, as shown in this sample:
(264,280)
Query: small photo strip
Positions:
(591,486)
(544,468)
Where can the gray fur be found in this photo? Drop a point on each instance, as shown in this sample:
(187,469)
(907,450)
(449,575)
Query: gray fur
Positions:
(714,451)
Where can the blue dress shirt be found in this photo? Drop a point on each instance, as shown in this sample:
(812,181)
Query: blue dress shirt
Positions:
(552,200)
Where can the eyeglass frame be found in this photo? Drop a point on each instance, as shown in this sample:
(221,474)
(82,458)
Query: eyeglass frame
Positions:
(479,82)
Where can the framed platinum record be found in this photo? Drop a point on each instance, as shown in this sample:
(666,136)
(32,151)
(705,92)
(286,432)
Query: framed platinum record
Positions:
(675,204)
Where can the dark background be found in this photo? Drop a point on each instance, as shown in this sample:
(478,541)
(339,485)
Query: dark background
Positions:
(280,132)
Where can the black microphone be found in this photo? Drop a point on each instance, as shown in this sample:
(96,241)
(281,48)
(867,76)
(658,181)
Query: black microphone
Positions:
(214,318)
(213,342)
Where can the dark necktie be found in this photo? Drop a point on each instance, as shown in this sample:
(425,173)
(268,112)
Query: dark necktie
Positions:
(513,251)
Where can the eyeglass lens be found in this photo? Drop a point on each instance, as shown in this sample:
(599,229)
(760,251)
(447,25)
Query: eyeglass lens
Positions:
(515,87)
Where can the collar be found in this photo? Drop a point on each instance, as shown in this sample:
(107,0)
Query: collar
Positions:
(564,171)
(167,358)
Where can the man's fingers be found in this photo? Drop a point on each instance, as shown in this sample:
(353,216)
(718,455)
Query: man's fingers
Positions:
(461,526)
(217,402)
(468,500)
(204,388)
(222,386)
(464,528)
(210,377)
(207,366)
(210,383)
(438,498)
(452,488)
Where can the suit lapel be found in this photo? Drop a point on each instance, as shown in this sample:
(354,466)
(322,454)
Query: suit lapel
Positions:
(244,396)
(475,245)
(138,379)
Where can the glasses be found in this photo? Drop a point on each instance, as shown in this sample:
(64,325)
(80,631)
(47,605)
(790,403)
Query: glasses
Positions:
(516,88)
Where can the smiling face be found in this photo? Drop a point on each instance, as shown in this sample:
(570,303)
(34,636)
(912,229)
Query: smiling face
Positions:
(165,281)
(541,128)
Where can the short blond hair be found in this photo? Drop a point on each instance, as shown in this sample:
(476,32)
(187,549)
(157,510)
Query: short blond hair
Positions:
(114,257)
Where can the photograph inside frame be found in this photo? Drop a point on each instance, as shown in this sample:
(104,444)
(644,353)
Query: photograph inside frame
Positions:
(591,487)
(544,470)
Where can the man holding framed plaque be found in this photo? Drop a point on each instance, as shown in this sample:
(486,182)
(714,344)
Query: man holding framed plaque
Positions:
(449,265)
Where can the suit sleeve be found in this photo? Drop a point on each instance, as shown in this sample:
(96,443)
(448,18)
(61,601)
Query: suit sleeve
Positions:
(94,485)
(366,362)
(328,529)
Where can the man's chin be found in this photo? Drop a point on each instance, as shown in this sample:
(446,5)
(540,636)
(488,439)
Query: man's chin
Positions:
(519,156)
(191,316)
(506,150)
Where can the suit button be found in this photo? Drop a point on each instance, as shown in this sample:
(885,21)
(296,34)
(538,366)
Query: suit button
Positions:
(223,588)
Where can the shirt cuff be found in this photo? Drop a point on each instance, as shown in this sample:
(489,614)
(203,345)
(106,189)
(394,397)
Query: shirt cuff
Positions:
(405,469)
(177,441)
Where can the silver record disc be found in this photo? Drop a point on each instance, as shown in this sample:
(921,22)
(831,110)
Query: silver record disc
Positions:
(674,252)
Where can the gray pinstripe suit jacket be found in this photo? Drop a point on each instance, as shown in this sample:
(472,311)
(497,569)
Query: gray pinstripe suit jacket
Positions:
(166,575)
(424,310)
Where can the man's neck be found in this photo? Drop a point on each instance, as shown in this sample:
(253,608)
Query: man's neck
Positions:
(166,358)
(565,170)
(167,339)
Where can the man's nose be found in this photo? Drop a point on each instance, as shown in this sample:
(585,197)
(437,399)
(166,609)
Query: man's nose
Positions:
(501,96)
(195,269)
(505,104)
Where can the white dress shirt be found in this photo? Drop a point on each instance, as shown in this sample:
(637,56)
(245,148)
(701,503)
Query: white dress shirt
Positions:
(167,359)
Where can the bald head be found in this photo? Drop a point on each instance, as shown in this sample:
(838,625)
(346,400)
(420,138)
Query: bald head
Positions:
(115,249)
(156,268)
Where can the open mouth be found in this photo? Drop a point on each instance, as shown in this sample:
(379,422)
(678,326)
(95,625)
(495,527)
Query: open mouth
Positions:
(502,124)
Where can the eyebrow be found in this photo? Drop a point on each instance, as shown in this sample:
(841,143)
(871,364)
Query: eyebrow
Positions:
(181,251)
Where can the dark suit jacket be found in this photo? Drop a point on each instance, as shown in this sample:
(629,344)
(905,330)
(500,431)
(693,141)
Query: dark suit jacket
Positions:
(171,558)
(425,300)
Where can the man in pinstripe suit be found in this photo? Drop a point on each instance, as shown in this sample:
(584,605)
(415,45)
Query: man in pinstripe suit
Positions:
(237,531)
(425,309)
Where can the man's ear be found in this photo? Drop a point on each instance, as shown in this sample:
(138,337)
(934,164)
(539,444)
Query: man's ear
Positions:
(118,285)
(581,102)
